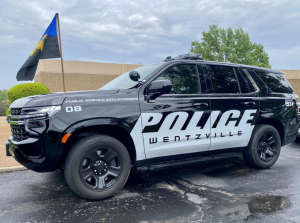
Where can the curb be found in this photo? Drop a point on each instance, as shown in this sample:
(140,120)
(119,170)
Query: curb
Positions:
(12,169)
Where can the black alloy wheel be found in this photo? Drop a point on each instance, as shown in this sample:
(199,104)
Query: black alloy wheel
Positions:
(267,146)
(264,147)
(100,168)
(97,167)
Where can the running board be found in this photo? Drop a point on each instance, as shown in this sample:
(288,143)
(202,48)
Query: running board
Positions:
(185,162)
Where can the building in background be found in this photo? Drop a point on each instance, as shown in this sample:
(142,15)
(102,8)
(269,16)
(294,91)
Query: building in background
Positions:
(80,75)
(294,78)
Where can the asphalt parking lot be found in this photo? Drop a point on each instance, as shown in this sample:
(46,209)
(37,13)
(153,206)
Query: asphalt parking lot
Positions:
(227,191)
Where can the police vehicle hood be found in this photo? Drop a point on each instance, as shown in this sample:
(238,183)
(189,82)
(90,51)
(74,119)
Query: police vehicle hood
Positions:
(56,98)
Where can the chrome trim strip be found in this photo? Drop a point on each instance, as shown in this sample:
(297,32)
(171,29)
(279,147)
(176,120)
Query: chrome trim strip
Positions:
(212,94)
(16,122)
(15,116)
(276,98)
(234,98)
(260,98)
(183,98)
(178,98)
(185,95)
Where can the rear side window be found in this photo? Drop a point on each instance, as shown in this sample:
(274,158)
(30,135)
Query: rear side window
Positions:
(245,83)
(223,79)
(276,82)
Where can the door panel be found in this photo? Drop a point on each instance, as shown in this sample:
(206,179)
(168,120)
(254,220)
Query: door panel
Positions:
(175,125)
(234,123)
(234,107)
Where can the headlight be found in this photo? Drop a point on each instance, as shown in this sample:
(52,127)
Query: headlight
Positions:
(39,112)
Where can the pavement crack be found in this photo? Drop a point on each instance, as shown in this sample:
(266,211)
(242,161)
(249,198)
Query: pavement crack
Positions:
(210,193)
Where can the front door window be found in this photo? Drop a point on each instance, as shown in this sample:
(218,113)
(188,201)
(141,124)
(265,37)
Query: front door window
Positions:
(184,78)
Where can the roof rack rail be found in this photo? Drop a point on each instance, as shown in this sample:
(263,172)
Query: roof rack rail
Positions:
(188,56)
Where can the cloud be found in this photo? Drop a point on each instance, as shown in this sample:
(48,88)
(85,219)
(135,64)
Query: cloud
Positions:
(143,31)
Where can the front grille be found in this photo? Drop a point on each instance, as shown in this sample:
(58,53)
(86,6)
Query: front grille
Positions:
(19,133)
(15,111)
(298,116)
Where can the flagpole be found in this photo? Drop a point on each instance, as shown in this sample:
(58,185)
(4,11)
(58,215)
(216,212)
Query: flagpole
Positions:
(61,56)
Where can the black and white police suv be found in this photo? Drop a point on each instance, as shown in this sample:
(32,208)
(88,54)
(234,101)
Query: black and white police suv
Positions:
(175,113)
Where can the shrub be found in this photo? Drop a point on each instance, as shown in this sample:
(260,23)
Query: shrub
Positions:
(25,90)
(7,112)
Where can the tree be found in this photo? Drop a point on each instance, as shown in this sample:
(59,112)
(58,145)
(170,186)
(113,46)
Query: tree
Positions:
(226,45)
(3,95)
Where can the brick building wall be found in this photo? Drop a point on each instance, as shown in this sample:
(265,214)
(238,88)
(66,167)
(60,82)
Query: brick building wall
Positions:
(79,75)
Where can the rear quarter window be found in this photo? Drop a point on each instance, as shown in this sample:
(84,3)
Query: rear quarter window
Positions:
(276,82)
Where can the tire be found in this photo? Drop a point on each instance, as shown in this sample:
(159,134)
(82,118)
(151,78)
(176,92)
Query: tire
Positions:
(97,167)
(254,154)
(297,139)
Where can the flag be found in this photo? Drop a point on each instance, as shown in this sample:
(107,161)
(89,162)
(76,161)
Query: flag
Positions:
(46,48)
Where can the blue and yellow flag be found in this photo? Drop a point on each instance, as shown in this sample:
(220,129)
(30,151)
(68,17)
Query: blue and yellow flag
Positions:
(46,48)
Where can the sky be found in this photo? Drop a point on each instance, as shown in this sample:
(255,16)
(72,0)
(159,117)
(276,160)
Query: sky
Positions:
(143,31)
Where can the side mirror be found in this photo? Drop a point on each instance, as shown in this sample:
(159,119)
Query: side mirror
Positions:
(157,88)
(134,76)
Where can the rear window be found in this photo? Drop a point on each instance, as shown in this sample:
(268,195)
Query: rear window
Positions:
(276,82)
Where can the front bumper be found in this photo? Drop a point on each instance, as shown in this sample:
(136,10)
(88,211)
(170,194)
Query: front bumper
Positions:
(40,152)
(29,154)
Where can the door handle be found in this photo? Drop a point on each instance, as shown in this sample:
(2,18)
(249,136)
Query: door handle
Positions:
(201,105)
(248,103)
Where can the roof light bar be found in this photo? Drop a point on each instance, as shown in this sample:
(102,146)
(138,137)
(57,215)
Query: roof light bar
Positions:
(188,56)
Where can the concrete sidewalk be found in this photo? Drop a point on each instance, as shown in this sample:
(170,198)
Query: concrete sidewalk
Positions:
(6,162)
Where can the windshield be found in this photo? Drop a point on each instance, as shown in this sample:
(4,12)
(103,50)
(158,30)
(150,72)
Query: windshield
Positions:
(124,82)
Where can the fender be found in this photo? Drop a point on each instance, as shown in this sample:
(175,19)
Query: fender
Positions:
(121,123)
(284,112)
